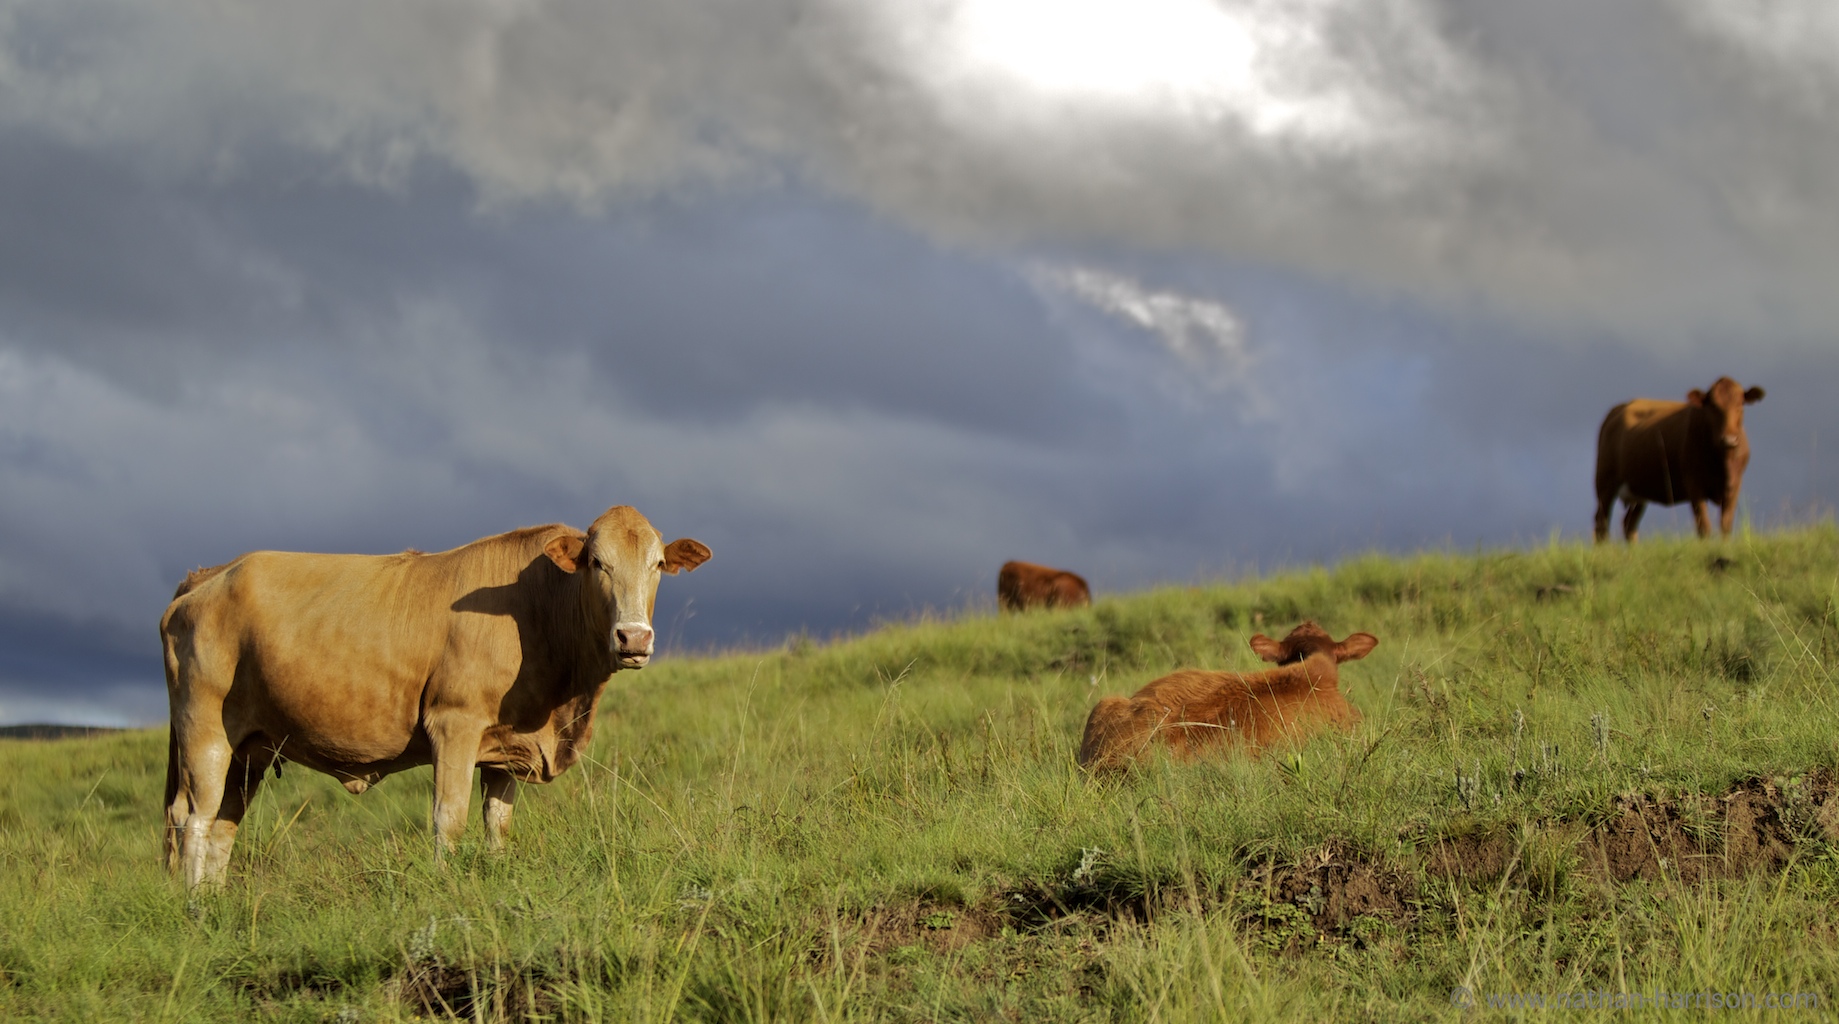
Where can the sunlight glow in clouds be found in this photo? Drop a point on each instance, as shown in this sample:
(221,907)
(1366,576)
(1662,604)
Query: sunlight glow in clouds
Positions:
(1271,70)
(1109,49)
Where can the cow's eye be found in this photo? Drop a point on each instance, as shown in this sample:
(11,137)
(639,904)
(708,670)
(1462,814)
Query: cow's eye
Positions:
(660,563)
(595,562)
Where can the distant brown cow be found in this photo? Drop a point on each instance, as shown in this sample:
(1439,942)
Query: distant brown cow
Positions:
(1669,452)
(493,654)
(1025,585)
(1192,711)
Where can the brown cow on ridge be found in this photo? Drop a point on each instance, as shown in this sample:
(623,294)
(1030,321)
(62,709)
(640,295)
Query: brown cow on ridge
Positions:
(1025,585)
(1192,710)
(493,654)
(1669,452)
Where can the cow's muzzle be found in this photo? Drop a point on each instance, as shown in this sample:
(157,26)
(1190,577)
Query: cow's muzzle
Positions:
(632,644)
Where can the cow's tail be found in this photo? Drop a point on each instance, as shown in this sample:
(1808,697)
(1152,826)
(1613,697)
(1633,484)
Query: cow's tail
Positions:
(170,842)
(174,811)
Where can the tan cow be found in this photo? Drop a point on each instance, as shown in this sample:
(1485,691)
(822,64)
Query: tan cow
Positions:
(1669,452)
(493,654)
(1193,711)
(1021,585)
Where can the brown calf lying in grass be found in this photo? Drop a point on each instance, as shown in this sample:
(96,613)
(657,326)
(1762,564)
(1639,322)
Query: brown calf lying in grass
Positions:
(1193,710)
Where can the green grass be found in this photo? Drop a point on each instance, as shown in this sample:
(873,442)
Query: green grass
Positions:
(891,827)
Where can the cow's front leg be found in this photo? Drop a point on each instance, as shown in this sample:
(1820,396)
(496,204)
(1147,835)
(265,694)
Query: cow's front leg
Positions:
(1727,511)
(1701,520)
(1631,519)
(455,749)
(499,788)
(240,785)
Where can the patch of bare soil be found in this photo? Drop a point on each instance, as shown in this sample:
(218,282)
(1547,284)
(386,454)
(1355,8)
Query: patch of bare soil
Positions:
(1101,901)
(1336,889)
(450,991)
(1331,895)
(1695,837)
(1289,905)
(939,928)
(1689,838)
(1336,892)
(1470,858)
(430,987)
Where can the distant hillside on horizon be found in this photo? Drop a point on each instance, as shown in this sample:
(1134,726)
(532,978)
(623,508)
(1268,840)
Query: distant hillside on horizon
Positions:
(52,732)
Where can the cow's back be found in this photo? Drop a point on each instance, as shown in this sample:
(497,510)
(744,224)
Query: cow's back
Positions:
(333,656)
(1065,590)
(1021,585)
(1201,708)
(1644,447)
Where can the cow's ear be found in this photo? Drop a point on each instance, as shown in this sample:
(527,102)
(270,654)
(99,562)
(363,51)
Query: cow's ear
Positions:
(684,554)
(1753,395)
(564,549)
(1355,647)
(1695,397)
(1270,650)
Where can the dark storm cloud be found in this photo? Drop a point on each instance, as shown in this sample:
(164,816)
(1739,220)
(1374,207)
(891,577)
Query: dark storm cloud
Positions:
(697,311)
(69,655)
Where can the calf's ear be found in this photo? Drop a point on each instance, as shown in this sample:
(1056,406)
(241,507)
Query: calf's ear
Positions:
(1695,397)
(1270,650)
(1355,647)
(1753,395)
(565,551)
(684,555)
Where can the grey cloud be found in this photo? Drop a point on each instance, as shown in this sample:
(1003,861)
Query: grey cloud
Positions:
(1599,167)
(1792,44)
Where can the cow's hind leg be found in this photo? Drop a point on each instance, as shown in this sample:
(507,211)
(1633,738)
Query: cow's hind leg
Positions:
(204,770)
(499,788)
(1605,507)
(1631,520)
(1117,732)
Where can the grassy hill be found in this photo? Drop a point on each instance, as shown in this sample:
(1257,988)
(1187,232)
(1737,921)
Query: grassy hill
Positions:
(1581,770)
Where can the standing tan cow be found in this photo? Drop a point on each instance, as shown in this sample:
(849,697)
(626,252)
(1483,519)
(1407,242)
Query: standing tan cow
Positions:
(1192,711)
(1669,452)
(493,654)
(1022,585)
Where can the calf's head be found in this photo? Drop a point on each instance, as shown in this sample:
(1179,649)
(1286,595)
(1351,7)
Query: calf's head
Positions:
(1310,639)
(618,565)
(1723,405)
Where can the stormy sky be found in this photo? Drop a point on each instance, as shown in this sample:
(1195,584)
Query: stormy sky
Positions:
(870,297)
